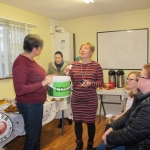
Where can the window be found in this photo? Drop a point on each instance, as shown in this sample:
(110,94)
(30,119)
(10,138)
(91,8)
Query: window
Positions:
(12,34)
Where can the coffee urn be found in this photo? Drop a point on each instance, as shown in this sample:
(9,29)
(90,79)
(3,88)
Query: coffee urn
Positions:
(112,76)
(120,78)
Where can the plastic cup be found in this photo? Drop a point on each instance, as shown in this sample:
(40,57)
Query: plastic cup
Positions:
(109,118)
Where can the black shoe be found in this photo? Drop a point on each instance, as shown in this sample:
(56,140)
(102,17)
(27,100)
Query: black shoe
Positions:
(69,121)
(60,123)
(79,145)
(90,145)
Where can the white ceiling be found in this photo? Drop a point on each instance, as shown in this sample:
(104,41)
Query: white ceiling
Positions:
(68,9)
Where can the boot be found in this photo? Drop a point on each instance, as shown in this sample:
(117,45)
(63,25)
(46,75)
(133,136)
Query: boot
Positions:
(60,123)
(79,145)
(90,145)
(69,121)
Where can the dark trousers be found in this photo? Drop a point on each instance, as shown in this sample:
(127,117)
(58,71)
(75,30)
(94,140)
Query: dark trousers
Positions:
(102,146)
(79,130)
(32,115)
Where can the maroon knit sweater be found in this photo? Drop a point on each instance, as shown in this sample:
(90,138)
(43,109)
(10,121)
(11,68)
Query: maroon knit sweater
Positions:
(27,79)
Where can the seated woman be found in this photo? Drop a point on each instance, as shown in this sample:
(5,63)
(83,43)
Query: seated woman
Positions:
(132,130)
(57,68)
(131,84)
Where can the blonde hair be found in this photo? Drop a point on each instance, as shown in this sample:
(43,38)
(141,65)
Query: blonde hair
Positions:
(137,74)
(147,67)
(92,47)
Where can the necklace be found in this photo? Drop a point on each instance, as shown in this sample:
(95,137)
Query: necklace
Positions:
(83,74)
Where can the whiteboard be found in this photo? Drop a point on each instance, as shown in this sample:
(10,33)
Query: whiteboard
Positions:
(125,49)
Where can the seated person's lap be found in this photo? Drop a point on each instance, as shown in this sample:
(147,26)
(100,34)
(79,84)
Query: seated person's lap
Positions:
(102,146)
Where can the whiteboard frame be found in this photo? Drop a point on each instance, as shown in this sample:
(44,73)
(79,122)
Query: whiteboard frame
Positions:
(116,31)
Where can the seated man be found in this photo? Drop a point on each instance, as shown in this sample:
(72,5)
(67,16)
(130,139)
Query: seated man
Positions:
(132,130)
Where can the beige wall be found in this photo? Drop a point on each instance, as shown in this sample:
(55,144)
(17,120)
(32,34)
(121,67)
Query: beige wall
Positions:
(6,86)
(85,28)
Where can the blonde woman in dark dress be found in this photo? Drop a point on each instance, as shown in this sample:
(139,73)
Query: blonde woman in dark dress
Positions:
(86,76)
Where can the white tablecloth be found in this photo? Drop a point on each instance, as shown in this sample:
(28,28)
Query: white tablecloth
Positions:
(49,113)
(117,91)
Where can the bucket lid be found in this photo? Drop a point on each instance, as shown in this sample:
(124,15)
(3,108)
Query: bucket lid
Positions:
(61,78)
(120,72)
(111,72)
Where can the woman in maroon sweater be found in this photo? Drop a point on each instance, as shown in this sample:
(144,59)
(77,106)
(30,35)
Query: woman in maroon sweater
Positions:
(30,84)
(86,75)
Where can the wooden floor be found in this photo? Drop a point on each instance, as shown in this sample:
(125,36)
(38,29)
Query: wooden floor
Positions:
(52,139)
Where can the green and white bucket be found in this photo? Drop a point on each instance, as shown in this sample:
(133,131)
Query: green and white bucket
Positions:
(60,87)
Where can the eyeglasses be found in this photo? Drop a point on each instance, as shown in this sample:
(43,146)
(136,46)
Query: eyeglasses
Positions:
(129,79)
(142,77)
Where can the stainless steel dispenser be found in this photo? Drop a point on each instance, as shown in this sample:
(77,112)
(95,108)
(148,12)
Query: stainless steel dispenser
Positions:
(120,78)
(112,76)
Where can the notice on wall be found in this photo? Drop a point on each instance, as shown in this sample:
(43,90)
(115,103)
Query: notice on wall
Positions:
(62,44)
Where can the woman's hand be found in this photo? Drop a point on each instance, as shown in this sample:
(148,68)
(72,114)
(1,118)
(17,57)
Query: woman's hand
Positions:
(56,74)
(47,80)
(66,70)
(88,83)
(105,135)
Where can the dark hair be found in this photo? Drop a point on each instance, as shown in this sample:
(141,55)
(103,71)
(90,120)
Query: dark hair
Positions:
(58,52)
(32,41)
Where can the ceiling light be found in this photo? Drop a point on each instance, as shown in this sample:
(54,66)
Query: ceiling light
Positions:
(89,1)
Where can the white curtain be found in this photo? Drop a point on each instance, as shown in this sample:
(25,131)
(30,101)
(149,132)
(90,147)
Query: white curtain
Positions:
(11,45)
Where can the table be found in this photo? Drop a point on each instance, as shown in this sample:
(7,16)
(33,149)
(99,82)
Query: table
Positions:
(49,113)
(121,92)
